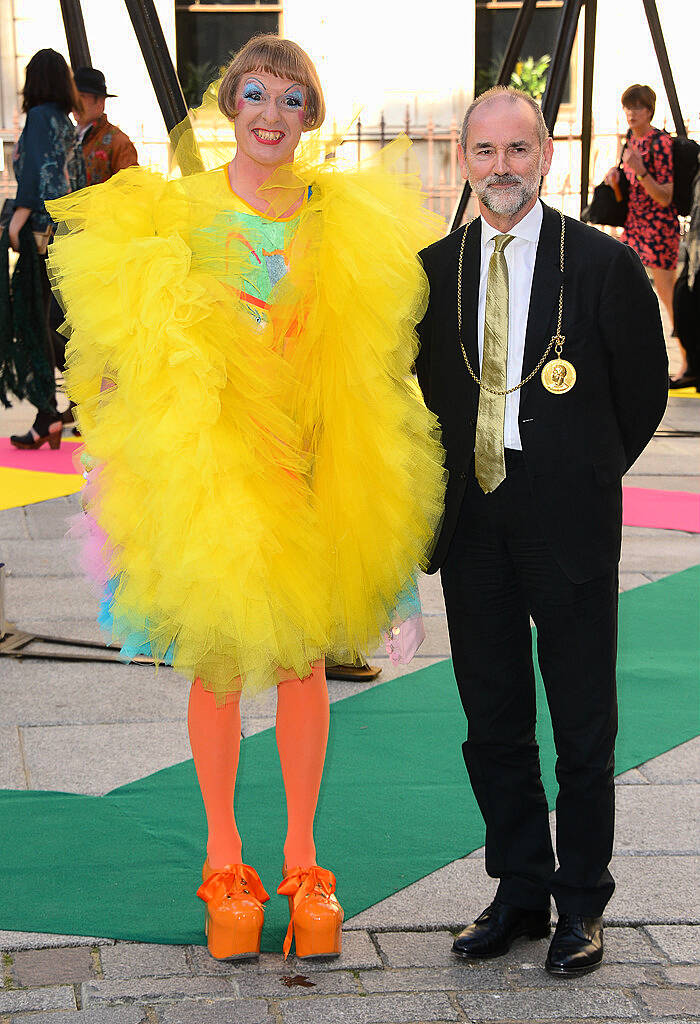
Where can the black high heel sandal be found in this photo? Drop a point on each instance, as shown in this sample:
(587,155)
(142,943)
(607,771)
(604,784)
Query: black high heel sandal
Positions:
(47,427)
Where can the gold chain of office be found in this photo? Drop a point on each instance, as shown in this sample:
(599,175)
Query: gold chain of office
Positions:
(557,342)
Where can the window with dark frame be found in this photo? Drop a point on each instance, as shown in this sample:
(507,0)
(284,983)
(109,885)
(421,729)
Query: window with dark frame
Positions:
(494,24)
(208,32)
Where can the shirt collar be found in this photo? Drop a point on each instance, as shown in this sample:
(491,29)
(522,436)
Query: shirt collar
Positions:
(528,228)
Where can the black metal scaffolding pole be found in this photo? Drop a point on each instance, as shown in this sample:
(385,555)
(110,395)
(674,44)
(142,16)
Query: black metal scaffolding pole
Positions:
(664,64)
(510,59)
(74,26)
(561,60)
(587,113)
(166,85)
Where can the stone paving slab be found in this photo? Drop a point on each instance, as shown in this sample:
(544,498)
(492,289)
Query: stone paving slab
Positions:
(664,463)
(631,946)
(631,778)
(39,693)
(72,627)
(151,990)
(53,597)
(53,997)
(381,1009)
(655,890)
(448,898)
(103,756)
(52,966)
(642,819)
(46,520)
(675,767)
(289,984)
(683,975)
(679,942)
(143,960)
(43,558)
(632,580)
(651,551)
(533,1005)
(13,525)
(416,949)
(111,1015)
(244,1011)
(670,1002)
(434,979)
(666,482)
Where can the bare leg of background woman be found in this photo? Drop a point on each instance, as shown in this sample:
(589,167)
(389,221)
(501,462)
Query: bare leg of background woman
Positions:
(302,734)
(215,738)
(664,281)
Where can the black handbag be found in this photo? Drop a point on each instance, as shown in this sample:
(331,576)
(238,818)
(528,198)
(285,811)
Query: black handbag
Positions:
(604,207)
(41,238)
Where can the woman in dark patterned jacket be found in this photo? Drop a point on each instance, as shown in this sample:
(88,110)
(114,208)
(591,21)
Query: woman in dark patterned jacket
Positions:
(651,227)
(48,164)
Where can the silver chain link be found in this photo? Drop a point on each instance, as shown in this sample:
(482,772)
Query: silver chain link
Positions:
(557,341)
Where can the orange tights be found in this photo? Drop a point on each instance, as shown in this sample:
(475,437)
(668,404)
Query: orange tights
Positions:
(302,734)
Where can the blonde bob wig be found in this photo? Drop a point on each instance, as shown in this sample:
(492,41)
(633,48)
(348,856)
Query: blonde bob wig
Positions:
(280,57)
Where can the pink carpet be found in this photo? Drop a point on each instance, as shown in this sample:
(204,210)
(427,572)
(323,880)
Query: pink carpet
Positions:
(41,460)
(664,510)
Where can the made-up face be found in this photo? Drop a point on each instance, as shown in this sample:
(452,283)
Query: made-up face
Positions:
(504,159)
(269,117)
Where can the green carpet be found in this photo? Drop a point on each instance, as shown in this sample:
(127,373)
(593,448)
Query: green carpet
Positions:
(395,803)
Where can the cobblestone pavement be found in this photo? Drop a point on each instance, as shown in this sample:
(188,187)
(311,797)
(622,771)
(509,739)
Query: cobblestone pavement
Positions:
(60,724)
(651,973)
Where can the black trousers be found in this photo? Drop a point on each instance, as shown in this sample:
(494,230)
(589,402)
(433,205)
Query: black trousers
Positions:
(686,317)
(499,572)
(55,347)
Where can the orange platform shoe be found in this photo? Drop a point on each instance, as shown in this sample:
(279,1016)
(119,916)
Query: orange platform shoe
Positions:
(234,896)
(315,916)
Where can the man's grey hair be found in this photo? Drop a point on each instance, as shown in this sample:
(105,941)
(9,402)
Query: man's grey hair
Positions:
(498,92)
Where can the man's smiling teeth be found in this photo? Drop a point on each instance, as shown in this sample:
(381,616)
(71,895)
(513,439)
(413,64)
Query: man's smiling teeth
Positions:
(267,136)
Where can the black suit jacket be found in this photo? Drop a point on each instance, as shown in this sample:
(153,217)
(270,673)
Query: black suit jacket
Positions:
(576,445)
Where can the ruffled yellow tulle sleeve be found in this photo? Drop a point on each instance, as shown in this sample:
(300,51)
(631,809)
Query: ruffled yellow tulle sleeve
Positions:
(266,490)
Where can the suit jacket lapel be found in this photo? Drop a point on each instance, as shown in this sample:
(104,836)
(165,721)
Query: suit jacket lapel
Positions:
(471,267)
(544,296)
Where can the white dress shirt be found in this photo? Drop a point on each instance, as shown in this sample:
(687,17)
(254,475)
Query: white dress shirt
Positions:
(520,259)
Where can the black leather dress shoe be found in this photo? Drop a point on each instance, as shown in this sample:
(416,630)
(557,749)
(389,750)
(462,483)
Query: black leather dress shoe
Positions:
(494,931)
(577,946)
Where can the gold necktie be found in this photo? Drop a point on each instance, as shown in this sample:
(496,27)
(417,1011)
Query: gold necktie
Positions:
(489,460)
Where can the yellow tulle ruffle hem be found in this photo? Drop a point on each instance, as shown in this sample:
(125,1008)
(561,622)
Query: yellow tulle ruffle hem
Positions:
(266,493)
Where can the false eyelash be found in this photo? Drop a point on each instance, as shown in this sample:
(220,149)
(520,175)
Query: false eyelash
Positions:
(251,93)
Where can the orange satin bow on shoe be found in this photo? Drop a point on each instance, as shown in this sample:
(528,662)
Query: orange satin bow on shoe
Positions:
(315,916)
(234,896)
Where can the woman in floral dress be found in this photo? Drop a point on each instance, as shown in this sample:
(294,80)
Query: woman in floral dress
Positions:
(652,226)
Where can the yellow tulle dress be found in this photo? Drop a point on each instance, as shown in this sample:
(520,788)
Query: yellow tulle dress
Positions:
(267,478)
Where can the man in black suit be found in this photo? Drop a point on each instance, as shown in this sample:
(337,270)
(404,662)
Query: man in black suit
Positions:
(537,438)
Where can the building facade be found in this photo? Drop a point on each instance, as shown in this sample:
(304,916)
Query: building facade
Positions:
(387,64)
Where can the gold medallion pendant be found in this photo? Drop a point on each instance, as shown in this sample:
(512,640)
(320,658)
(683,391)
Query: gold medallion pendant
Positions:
(558,376)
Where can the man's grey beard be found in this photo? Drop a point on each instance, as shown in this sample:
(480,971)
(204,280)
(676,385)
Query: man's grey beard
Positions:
(507,205)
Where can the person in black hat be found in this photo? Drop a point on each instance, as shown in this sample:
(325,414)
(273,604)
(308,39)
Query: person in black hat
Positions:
(106,148)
